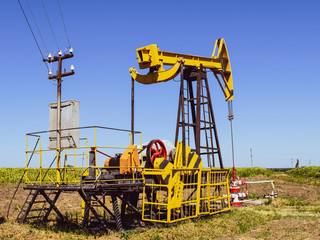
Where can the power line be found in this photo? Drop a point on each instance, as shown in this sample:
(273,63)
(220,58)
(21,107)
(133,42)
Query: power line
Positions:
(35,22)
(34,37)
(54,37)
(64,25)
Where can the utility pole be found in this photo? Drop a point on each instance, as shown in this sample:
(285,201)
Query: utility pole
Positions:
(58,77)
(251,157)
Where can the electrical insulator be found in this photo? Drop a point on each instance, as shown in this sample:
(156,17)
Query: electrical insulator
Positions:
(49,55)
(49,72)
(60,53)
(71,50)
(72,68)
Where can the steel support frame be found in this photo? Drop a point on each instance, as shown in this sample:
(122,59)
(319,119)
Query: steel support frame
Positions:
(25,213)
(190,75)
(52,205)
(87,199)
(116,214)
(51,202)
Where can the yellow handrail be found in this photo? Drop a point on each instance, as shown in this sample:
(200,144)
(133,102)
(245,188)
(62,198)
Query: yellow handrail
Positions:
(64,174)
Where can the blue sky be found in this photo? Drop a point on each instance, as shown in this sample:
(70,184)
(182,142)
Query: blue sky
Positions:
(274,51)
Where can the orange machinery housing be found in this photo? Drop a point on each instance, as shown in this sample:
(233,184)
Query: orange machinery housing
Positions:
(127,163)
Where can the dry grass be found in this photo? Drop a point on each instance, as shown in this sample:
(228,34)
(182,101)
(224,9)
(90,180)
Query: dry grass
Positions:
(287,228)
(295,214)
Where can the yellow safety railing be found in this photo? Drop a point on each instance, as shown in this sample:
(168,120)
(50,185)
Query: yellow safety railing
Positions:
(67,174)
(199,192)
(214,196)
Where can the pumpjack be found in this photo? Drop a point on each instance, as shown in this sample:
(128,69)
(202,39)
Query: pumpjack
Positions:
(154,188)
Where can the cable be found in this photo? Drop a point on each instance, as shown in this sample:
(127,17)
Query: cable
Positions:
(35,22)
(232,143)
(64,25)
(34,37)
(230,117)
(54,37)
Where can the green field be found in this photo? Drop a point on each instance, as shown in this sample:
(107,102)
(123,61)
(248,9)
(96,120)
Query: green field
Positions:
(295,214)
(303,174)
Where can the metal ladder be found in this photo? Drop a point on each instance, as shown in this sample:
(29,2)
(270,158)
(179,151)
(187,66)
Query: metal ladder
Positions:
(22,216)
(43,206)
(202,120)
(208,125)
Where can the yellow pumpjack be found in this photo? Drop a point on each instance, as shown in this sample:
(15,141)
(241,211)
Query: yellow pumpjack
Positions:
(183,188)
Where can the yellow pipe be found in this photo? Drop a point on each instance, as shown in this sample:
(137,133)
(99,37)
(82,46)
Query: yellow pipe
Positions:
(95,152)
(132,167)
(141,160)
(40,159)
(169,201)
(143,197)
(26,157)
(198,193)
(74,157)
(131,136)
(58,177)
(95,145)
(86,153)
(48,150)
(26,151)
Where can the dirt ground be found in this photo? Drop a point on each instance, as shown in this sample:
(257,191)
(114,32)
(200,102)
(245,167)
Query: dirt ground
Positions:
(299,205)
(305,224)
(291,228)
(67,202)
(310,194)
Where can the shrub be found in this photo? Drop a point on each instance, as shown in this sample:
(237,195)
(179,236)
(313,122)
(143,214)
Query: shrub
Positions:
(251,172)
(311,172)
(294,202)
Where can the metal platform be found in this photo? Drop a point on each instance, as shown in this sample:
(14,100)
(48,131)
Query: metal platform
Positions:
(116,195)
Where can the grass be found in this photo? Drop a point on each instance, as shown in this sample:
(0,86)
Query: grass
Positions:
(251,172)
(238,222)
(300,175)
(10,175)
(253,196)
(13,175)
(303,175)
(308,172)
(295,202)
(268,202)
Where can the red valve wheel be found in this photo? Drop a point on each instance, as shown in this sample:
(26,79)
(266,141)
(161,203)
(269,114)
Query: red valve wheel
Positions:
(156,149)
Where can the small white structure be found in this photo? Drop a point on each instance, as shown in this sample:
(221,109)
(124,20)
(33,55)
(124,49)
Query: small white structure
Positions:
(69,119)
